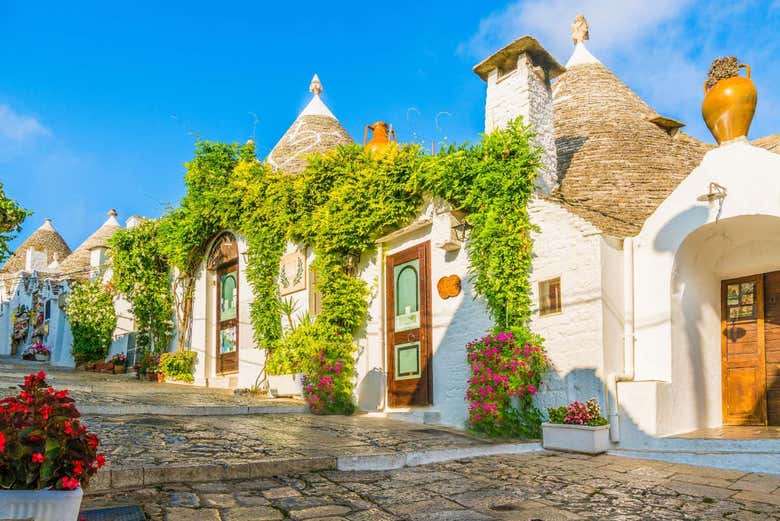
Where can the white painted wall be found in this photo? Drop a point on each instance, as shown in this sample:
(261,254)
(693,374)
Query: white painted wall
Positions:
(568,247)
(682,253)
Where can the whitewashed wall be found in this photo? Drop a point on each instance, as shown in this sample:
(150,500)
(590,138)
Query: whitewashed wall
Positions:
(568,247)
(682,253)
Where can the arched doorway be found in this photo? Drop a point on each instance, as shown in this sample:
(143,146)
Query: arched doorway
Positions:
(223,261)
(726,322)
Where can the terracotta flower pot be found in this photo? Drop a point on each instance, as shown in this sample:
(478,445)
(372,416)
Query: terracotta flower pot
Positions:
(119,368)
(160,376)
(729,106)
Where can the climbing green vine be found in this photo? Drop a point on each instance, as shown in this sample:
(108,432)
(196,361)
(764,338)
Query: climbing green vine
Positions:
(142,275)
(11,218)
(343,201)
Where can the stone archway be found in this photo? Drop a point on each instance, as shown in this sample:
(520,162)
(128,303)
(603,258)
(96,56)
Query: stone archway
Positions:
(732,249)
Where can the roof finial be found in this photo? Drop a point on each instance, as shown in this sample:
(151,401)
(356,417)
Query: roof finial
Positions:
(579,30)
(112,213)
(316,86)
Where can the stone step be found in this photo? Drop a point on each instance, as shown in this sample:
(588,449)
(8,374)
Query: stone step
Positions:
(159,475)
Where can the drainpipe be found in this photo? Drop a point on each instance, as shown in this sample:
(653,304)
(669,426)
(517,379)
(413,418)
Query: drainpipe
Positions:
(629,341)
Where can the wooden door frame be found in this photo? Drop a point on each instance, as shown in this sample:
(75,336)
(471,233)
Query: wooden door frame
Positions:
(421,251)
(760,339)
(221,270)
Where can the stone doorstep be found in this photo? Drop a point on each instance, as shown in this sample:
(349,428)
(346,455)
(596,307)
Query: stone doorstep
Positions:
(194,410)
(146,476)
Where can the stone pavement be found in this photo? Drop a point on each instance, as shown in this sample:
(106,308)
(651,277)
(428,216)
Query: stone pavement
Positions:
(139,449)
(539,486)
(123,394)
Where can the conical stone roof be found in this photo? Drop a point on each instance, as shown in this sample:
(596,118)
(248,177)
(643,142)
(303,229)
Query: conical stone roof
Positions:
(615,165)
(76,266)
(315,130)
(44,239)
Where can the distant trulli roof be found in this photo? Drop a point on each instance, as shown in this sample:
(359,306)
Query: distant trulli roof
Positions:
(45,238)
(315,130)
(617,158)
(76,266)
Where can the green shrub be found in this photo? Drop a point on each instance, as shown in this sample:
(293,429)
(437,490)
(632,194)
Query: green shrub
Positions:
(556,414)
(90,310)
(179,365)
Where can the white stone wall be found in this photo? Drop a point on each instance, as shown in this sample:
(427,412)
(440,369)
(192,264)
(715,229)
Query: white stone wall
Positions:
(525,92)
(568,247)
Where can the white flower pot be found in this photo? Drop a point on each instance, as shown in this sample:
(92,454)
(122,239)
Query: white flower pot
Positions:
(285,384)
(575,438)
(42,358)
(40,505)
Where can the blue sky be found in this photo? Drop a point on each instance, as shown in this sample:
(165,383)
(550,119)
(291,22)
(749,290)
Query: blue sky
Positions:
(100,102)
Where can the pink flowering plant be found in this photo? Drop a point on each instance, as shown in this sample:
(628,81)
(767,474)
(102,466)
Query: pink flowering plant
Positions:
(327,384)
(578,413)
(506,372)
(43,445)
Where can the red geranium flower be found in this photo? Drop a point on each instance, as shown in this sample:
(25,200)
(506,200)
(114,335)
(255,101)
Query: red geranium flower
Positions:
(70,483)
(38,457)
(2,441)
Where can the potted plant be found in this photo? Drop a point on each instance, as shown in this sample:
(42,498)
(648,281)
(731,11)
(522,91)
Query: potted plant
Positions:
(578,427)
(36,351)
(119,363)
(46,455)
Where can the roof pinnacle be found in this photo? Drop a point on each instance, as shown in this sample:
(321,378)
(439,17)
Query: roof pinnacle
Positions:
(315,87)
(580,30)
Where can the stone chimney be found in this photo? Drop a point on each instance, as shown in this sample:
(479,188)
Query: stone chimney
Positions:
(518,84)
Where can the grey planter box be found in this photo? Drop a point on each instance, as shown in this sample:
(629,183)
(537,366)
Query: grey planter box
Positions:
(575,438)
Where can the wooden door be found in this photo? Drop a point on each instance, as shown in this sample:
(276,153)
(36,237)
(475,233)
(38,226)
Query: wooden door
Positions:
(742,351)
(409,373)
(227,318)
(772,345)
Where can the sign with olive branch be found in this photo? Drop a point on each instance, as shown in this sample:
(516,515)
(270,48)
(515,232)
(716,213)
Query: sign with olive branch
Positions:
(292,273)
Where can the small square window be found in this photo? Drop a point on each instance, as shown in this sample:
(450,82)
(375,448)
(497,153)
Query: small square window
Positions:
(550,296)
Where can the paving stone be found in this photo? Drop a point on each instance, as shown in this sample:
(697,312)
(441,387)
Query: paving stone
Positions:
(218,500)
(693,489)
(183,499)
(319,512)
(251,500)
(281,492)
(191,514)
(757,483)
(252,514)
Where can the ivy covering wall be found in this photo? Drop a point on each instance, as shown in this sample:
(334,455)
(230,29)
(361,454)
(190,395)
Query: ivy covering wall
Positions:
(92,318)
(343,201)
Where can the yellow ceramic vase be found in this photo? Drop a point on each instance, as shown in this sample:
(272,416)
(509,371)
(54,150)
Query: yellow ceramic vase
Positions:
(729,106)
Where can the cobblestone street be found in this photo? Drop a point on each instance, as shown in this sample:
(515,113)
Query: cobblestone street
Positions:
(539,486)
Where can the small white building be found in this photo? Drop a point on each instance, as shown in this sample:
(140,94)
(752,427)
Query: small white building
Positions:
(35,281)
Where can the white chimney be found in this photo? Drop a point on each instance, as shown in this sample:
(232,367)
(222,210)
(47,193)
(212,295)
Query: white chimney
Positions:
(518,84)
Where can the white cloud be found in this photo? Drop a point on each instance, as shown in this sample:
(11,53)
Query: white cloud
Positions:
(619,23)
(17,127)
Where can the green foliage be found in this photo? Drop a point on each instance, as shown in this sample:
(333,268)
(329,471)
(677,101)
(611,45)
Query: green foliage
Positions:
(92,318)
(343,201)
(556,414)
(142,275)
(179,365)
(11,218)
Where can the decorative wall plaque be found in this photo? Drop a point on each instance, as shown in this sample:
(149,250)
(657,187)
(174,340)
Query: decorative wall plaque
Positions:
(292,273)
(448,287)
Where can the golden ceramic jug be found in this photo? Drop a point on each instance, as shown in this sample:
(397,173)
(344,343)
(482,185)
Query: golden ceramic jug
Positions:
(729,106)
(380,138)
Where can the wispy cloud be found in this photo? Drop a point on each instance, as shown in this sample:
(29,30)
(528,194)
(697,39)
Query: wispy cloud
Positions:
(19,128)
(661,48)
(620,22)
